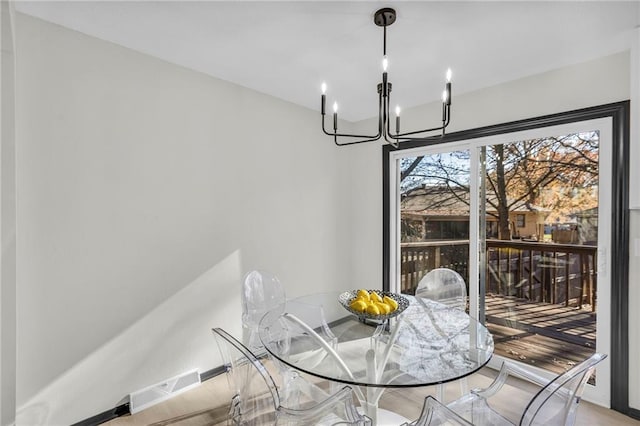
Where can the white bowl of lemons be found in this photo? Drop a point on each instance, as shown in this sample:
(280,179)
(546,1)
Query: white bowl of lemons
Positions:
(373,304)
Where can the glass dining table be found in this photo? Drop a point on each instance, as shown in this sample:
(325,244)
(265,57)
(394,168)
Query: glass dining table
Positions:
(426,344)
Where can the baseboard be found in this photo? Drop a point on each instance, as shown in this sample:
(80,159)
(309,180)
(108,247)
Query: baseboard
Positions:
(123,409)
(634,413)
(212,373)
(120,410)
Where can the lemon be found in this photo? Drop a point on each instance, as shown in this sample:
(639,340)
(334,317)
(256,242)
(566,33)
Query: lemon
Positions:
(384,308)
(363,294)
(375,297)
(358,305)
(373,309)
(392,303)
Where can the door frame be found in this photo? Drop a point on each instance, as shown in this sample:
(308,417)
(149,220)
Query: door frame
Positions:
(619,272)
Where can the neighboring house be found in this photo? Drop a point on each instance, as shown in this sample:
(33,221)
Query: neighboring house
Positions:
(442,213)
(587,226)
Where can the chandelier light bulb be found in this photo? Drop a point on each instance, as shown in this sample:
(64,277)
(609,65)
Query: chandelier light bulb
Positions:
(385,63)
(335,107)
(449,75)
(397,110)
(323,87)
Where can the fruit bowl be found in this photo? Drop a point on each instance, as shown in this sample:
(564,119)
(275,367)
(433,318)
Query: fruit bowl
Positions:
(347,297)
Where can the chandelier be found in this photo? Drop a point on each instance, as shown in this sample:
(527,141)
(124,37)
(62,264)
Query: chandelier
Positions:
(383,18)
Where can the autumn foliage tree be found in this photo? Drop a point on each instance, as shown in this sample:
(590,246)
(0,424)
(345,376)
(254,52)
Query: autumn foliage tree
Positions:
(559,174)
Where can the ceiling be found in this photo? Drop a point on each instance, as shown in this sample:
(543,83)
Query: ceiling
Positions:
(287,49)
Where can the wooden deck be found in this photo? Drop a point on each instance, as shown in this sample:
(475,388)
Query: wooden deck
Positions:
(546,335)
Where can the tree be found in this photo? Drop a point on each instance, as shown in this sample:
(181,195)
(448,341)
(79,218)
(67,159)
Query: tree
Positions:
(518,174)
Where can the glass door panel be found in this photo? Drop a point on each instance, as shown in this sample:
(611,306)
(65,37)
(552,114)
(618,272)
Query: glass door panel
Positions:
(434,215)
(541,198)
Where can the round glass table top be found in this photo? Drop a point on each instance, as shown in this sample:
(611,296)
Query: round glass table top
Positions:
(428,343)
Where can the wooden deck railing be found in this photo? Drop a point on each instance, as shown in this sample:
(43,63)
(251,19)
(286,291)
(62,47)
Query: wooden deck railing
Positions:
(419,258)
(540,272)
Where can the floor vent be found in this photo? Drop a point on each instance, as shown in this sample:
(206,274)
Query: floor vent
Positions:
(162,391)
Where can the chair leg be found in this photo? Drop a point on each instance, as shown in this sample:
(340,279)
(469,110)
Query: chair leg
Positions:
(464,386)
(440,393)
(464,389)
(234,409)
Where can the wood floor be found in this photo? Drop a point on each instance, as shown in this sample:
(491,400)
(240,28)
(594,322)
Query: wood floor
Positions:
(553,337)
(207,405)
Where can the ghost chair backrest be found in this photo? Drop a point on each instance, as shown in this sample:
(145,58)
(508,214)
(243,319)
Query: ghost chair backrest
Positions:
(557,402)
(261,292)
(445,286)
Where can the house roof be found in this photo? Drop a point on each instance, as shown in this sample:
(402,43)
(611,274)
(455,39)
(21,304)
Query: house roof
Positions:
(439,200)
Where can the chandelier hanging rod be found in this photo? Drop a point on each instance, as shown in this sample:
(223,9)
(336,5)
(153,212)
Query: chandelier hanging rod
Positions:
(383,18)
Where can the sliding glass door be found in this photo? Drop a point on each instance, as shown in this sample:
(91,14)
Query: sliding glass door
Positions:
(525,219)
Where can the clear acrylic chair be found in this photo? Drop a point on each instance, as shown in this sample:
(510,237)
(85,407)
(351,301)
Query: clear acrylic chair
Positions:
(262,292)
(445,286)
(555,404)
(256,399)
(434,413)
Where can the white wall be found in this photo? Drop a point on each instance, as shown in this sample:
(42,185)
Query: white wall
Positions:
(145,192)
(7,218)
(593,83)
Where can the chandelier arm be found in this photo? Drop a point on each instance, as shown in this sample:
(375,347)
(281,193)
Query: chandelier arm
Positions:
(386,119)
(367,138)
(404,135)
(393,142)
(380,119)
(433,129)
(446,123)
(335,140)
(346,135)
